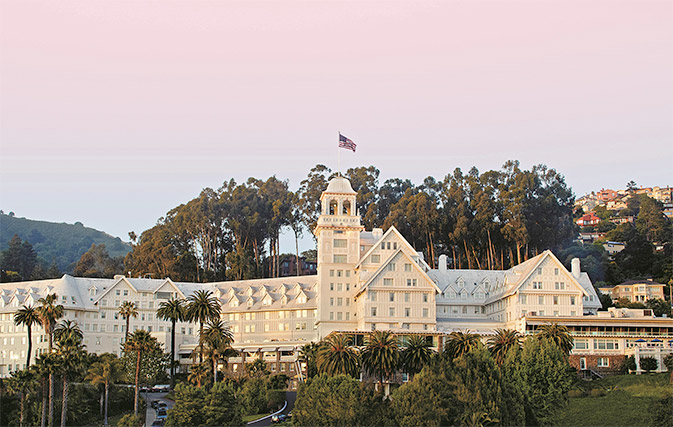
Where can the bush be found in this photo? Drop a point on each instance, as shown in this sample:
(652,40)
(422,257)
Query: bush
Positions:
(597,392)
(130,420)
(629,365)
(648,364)
(253,396)
(275,399)
(576,393)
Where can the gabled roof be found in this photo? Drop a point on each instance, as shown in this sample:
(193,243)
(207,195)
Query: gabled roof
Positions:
(391,230)
(388,261)
(527,268)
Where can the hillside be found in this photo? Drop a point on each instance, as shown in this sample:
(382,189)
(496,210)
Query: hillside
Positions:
(61,243)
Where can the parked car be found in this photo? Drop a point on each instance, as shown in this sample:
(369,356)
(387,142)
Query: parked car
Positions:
(158,423)
(161,405)
(278,418)
(161,414)
(155,404)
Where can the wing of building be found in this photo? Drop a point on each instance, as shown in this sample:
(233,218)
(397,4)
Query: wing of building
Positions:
(365,280)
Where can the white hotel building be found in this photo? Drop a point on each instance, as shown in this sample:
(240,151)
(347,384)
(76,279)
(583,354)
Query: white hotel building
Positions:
(366,280)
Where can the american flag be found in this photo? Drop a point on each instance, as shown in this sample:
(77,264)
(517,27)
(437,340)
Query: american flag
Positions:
(346,143)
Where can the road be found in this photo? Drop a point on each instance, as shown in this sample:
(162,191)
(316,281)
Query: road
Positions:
(151,414)
(290,396)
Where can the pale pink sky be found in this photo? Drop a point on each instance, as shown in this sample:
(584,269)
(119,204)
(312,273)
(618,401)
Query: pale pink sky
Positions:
(113,112)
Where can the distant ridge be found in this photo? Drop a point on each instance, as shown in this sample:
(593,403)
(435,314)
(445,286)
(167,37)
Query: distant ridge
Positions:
(58,243)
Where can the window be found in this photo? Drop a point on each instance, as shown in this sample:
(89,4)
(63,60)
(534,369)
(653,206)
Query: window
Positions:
(425,312)
(340,243)
(348,273)
(340,287)
(348,302)
(603,362)
(412,282)
(580,344)
(331,273)
(407,296)
(387,282)
(372,295)
(572,300)
(464,309)
(606,345)
(126,292)
(555,300)
(388,245)
(537,285)
(539,271)
(391,296)
(339,315)
(559,285)
(340,259)
(407,312)
(348,316)
(556,313)
(375,259)
(425,297)
(523,299)
(331,301)
(373,311)
(340,301)
(407,267)
(383,245)
(331,286)
(340,273)
(391,311)
(556,272)
(391,266)
(348,286)
(540,300)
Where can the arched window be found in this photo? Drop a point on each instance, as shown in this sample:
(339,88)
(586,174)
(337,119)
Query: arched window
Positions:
(332,207)
(346,207)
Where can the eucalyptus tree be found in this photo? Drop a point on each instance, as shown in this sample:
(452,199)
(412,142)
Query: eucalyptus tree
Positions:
(139,342)
(309,192)
(128,310)
(106,371)
(27,316)
(557,334)
(174,311)
(336,356)
(381,355)
(502,342)
(416,354)
(202,306)
(71,352)
(459,343)
(49,313)
(219,338)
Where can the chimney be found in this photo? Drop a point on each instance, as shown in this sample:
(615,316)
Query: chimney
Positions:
(377,233)
(575,268)
(442,263)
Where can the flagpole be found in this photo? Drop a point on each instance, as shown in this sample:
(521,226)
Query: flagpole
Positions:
(338,156)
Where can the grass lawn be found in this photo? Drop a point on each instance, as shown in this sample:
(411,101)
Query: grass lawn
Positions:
(248,418)
(627,401)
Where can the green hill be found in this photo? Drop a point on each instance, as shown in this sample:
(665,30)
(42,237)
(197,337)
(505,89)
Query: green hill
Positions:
(58,243)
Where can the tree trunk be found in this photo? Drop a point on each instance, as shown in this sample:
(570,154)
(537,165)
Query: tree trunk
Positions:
(200,341)
(45,402)
(214,370)
(453,248)
(107,386)
(101,402)
(51,399)
(467,255)
(128,323)
(23,402)
(135,401)
(172,353)
(64,408)
(296,247)
(30,346)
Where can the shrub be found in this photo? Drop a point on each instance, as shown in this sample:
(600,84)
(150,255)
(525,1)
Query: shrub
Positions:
(252,396)
(576,393)
(275,398)
(130,420)
(597,392)
(648,364)
(629,364)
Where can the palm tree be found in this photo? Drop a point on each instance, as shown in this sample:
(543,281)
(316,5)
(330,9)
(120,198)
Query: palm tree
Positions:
(139,342)
(558,334)
(71,351)
(49,313)
(174,311)
(459,343)
(198,374)
(106,371)
(338,357)
(416,354)
(219,337)
(381,355)
(27,316)
(202,306)
(46,365)
(502,342)
(21,383)
(128,310)
(309,353)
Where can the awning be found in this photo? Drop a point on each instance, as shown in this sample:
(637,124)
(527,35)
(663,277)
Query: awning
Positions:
(251,349)
(657,340)
(641,340)
(286,348)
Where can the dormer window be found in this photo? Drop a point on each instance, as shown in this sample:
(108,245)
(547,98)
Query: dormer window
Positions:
(250,302)
(267,300)
(234,303)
